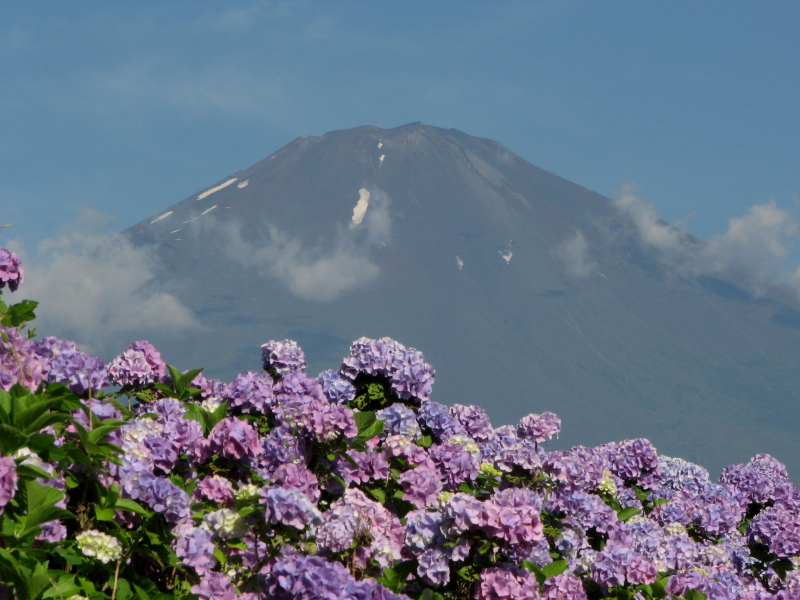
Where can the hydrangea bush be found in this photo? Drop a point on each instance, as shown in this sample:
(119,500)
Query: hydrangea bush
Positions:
(133,480)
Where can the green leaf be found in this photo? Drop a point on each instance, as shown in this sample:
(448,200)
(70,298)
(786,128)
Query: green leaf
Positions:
(628,513)
(658,588)
(364,419)
(425,441)
(11,439)
(124,591)
(466,488)
(369,432)
(535,569)
(378,494)
(41,501)
(32,472)
(695,595)
(20,313)
(429,594)
(554,568)
(63,585)
(104,514)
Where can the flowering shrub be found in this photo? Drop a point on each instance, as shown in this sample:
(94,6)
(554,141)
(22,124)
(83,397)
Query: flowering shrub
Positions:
(351,485)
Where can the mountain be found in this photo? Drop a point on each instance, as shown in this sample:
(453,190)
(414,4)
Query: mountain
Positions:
(525,291)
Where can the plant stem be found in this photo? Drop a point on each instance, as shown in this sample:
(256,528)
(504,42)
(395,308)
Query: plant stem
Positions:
(116,578)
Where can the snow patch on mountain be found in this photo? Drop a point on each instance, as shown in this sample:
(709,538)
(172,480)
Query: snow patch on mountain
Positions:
(217,188)
(164,216)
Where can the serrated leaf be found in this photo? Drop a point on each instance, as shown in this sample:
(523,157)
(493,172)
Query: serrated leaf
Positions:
(11,439)
(364,419)
(371,431)
(554,568)
(378,494)
(628,513)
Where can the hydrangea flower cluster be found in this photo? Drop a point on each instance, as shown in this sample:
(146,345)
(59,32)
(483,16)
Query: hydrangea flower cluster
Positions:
(11,271)
(356,485)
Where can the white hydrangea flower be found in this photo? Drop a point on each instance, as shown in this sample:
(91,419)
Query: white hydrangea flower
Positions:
(675,529)
(100,545)
(247,492)
(226,523)
(211,404)
(607,485)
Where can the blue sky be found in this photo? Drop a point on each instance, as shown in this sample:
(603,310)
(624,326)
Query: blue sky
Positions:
(126,108)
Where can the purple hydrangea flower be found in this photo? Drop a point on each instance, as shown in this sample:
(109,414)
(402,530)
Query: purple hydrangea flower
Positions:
(11,271)
(423,529)
(778,529)
(289,506)
(80,370)
(678,474)
(19,361)
(336,388)
(8,481)
(210,388)
(462,513)
(539,428)
(280,446)
(513,515)
(634,458)
(234,438)
(563,587)
(195,547)
(411,377)
(474,420)
(160,494)
(421,486)
(456,465)
(398,419)
(283,357)
(507,583)
(140,364)
(251,392)
(215,488)
(438,419)
(579,468)
(369,466)
(53,531)
(434,567)
(215,586)
(291,475)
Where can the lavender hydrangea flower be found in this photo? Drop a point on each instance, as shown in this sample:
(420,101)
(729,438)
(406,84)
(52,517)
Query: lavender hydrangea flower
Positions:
(140,364)
(19,361)
(11,271)
(434,567)
(195,547)
(513,516)
(215,488)
(8,481)
(411,377)
(53,531)
(438,419)
(507,583)
(563,587)
(421,486)
(280,446)
(778,529)
(292,475)
(80,370)
(251,392)
(456,465)
(539,428)
(165,497)
(400,420)
(474,420)
(336,388)
(462,513)
(234,438)
(634,458)
(290,506)
(678,474)
(283,357)
(215,586)
(423,529)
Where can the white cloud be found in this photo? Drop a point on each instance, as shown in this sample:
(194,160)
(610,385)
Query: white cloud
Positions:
(96,289)
(317,273)
(574,254)
(755,249)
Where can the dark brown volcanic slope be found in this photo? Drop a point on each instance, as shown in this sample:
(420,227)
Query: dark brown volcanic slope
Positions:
(456,256)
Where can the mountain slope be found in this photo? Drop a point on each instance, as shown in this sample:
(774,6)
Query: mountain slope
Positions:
(525,291)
